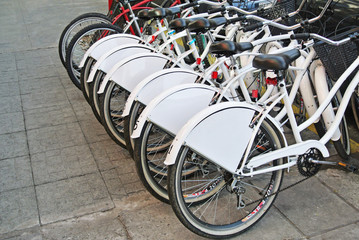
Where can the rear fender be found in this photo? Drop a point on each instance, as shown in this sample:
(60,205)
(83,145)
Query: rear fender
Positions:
(174,107)
(106,43)
(115,55)
(220,133)
(157,83)
(131,70)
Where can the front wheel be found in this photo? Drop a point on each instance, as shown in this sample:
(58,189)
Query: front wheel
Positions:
(215,203)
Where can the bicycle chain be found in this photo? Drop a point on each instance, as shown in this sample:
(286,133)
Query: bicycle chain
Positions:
(280,190)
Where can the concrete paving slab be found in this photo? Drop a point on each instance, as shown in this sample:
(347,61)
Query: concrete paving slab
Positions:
(343,183)
(10,104)
(37,100)
(73,197)
(33,233)
(9,89)
(7,62)
(55,115)
(114,184)
(13,145)
(349,232)
(82,109)
(15,173)
(11,122)
(94,131)
(18,209)
(109,155)
(40,85)
(104,226)
(43,71)
(315,209)
(9,76)
(62,164)
(55,137)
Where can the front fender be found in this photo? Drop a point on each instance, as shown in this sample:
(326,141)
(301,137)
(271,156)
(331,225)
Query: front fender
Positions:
(157,83)
(106,43)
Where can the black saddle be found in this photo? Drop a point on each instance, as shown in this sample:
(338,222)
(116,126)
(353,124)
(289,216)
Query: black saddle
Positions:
(160,13)
(202,25)
(279,61)
(228,48)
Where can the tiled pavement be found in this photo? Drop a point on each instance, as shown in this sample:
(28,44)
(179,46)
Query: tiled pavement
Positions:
(62,177)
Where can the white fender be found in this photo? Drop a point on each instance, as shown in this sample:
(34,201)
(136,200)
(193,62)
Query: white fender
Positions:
(157,83)
(131,70)
(115,55)
(174,107)
(321,84)
(106,43)
(222,132)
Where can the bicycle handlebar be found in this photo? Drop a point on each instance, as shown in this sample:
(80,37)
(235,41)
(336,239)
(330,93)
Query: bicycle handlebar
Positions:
(284,27)
(306,36)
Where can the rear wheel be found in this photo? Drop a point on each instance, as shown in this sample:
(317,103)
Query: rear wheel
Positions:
(74,27)
(211,203)
(81,42)
(112,103)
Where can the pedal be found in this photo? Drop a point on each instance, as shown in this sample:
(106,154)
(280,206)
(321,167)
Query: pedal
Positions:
(350,167)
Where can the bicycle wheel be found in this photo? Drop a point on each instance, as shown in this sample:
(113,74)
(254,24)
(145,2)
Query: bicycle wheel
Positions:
(210,203)
(129,124)
(94,97)
(74,27)
(81,42)
(112,103)
(149,154)
(85,72)
(343,144)
(355,107)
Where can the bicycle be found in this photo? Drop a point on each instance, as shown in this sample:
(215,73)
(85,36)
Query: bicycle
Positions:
(249,183)
(90,34)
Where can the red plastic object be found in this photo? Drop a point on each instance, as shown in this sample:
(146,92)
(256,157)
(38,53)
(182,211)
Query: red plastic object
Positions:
(255,93)
(214,75)
(271,81)
(198,61)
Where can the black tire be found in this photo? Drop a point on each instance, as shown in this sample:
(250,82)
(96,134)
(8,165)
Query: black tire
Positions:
(343,144)
(226,220)
(85,72)
(150,151)
(74,27)
(129,124)
(81,42)
(112,103)
(355,107)
(94,99)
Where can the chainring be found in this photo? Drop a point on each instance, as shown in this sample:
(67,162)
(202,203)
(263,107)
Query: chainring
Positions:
(304,164)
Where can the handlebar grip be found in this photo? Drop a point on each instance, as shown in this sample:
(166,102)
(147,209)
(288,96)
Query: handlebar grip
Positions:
(215,10)
(191,4)
(301,36)
(237,19)
(252,27)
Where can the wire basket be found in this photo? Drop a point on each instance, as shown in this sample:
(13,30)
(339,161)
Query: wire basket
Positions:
(280,9)
(336,59)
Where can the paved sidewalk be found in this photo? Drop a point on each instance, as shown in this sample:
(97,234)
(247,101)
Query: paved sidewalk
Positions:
(62,177)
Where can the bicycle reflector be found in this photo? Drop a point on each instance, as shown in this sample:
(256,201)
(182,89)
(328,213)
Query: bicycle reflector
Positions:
(271,81)
(255,93)
(214,75)
(198,61)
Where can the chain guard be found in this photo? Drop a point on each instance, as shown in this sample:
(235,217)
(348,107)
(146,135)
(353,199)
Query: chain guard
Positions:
(304,164)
